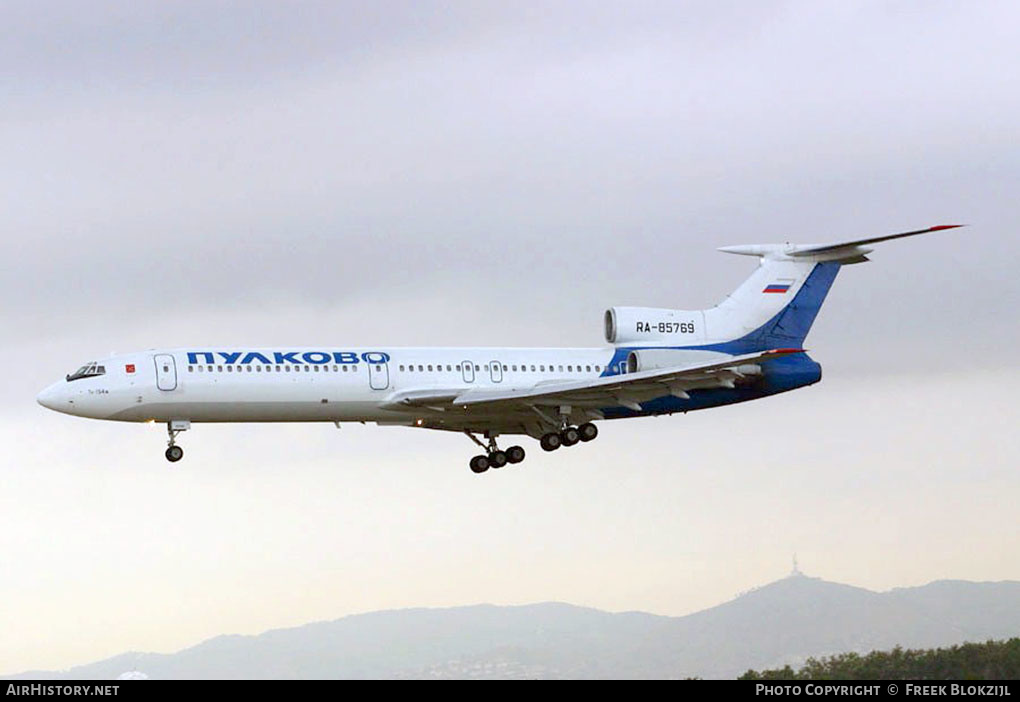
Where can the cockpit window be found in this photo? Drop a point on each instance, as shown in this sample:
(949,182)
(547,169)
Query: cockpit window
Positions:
(89,370)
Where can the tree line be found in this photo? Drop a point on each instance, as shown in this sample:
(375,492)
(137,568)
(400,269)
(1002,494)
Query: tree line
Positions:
(992,660)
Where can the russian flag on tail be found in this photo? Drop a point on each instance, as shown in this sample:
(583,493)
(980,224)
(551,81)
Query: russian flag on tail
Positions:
(780,287)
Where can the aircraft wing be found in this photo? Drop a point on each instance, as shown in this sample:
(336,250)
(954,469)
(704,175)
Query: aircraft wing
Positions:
(513,410)
(625,390)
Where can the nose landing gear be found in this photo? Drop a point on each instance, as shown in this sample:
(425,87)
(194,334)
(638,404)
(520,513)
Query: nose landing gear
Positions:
(174,452)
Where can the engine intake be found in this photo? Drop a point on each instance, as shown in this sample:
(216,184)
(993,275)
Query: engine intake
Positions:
(629,325)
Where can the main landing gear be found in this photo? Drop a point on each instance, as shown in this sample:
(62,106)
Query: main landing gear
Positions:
(174,452)
(568,436)
(496,458)
(493,457)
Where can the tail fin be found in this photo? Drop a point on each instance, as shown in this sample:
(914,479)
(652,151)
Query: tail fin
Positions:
(777,305)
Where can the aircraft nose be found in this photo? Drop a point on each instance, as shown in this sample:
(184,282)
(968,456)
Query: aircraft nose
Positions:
(50,398)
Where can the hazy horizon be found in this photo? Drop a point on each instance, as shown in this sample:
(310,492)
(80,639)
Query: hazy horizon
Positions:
(476,173)
(560,640)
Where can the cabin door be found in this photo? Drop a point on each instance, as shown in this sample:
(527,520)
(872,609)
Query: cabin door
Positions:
(379,375)
(166,371)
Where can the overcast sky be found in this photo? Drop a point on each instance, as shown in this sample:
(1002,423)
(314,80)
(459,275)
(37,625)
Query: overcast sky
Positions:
(473,173)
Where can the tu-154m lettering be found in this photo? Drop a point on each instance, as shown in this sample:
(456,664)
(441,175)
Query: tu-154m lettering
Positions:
(656,361)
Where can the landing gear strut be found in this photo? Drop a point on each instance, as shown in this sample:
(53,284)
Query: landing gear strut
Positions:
(493,457)
(174,452)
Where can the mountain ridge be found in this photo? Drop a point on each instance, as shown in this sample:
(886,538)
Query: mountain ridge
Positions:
(785,621)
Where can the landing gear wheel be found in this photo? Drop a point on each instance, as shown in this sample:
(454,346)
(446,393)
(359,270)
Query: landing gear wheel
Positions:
(550,441)
(479,464)
(588,431)
(498,459)
(515,454)
(570,436)
(174,454)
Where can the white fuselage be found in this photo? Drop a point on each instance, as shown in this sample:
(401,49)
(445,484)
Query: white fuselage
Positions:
(306,384)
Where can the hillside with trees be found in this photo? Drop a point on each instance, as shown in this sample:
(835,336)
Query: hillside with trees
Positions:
(994,660)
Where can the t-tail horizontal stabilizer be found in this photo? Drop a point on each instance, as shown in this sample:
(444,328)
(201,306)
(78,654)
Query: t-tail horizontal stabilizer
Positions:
(842,252)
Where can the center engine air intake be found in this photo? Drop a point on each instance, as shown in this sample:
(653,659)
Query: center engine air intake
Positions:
(629,325)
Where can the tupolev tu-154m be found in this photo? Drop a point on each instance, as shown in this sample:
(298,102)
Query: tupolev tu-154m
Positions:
(656,361)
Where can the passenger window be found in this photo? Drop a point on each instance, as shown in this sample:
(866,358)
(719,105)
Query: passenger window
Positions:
(588,368)
(201,369)
(316,369)
(458,367)
(477,368)
(258,369)
(542,368)
(570,368)
(191,368)
(506,368)
(597,369)
(430,368)
(345,368)
(448,368)
(421,368)
(533,369)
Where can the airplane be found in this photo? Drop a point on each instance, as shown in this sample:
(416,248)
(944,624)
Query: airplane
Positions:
(658,361)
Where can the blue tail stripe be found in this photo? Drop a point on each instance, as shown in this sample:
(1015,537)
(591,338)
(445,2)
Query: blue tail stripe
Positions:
(788,328)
